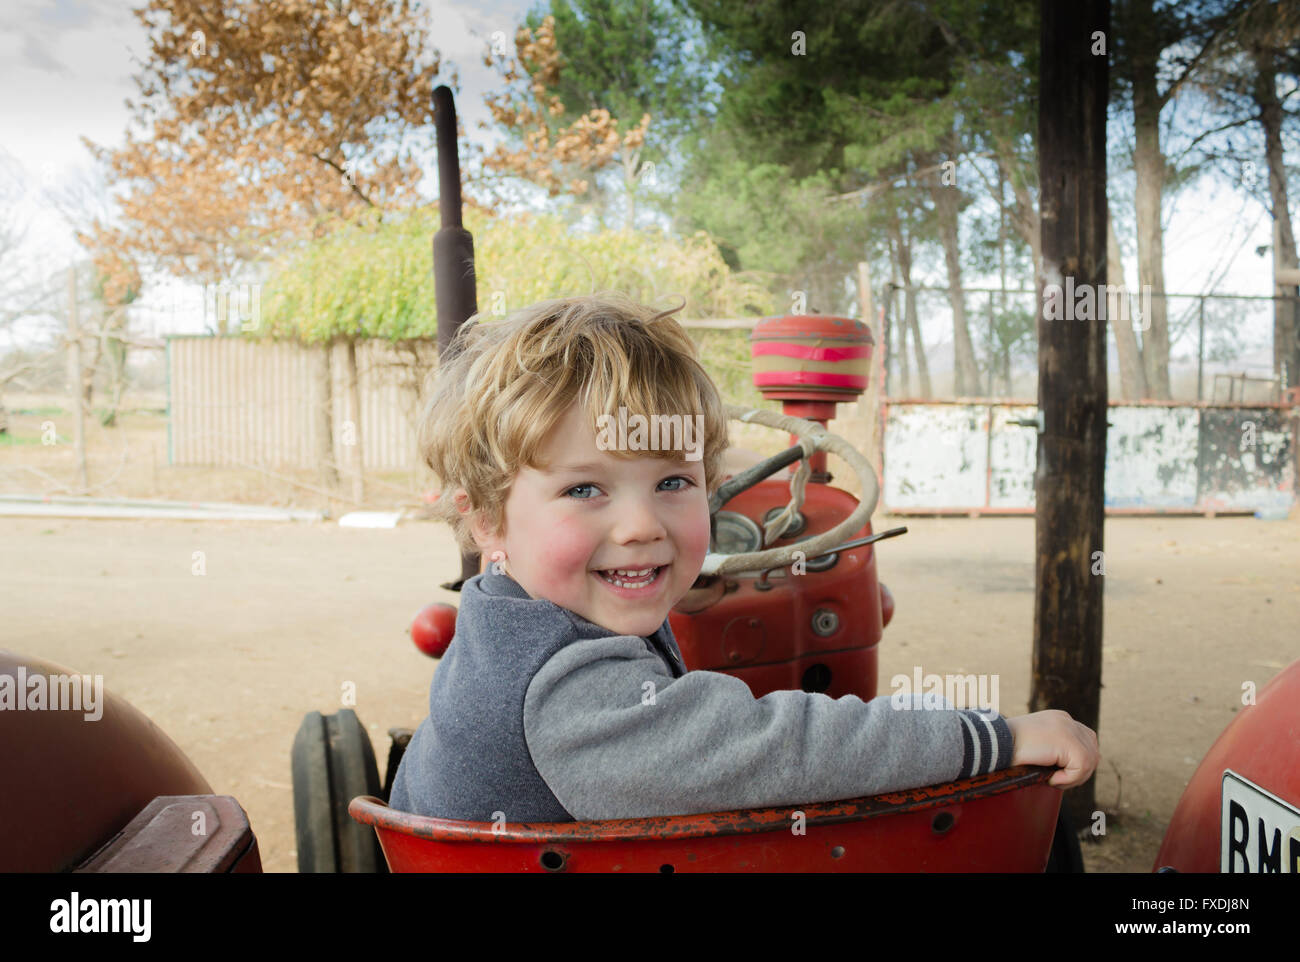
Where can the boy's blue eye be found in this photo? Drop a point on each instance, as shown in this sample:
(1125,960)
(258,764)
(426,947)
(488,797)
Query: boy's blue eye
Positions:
(689,482)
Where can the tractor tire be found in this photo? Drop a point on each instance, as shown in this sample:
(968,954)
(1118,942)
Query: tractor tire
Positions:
(333,762)
(1067,855)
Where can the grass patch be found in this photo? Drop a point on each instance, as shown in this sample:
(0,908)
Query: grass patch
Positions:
(11,440)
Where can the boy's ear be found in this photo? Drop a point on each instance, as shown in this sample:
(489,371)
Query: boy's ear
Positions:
(461,500)
(477,524)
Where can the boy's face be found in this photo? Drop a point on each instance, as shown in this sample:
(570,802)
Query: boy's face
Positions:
(566,523)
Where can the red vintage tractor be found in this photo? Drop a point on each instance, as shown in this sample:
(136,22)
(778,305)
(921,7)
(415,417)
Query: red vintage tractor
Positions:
(789,599)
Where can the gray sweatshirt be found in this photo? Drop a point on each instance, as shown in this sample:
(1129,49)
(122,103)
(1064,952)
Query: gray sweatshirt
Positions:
(536,714)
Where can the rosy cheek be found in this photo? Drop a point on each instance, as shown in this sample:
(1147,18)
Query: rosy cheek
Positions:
(696,539)
(566,547)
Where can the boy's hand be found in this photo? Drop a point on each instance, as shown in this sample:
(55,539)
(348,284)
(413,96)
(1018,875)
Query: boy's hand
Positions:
(1054,738)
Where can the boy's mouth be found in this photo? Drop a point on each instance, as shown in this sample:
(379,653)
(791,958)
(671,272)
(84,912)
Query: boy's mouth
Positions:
(638,580)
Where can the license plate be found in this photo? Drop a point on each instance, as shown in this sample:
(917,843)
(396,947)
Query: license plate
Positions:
(1258,832)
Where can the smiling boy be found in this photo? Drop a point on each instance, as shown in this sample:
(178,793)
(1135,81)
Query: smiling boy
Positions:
(563,694)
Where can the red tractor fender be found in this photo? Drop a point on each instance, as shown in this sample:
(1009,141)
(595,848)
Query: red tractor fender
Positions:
(101,788)
(1257,756)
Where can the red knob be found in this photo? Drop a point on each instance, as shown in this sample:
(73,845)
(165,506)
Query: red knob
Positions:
(433,628)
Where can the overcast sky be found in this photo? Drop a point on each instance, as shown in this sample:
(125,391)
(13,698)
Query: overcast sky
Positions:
(65,72)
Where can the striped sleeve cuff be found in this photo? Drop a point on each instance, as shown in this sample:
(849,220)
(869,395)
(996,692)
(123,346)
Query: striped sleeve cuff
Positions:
(986,742)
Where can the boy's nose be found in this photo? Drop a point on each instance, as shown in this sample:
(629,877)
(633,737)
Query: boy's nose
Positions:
(638,521)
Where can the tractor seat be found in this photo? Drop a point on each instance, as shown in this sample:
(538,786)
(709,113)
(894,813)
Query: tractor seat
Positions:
(1000,822)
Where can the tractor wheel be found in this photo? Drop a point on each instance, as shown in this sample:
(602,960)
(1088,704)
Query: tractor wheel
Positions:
(1067,855)
(333,762)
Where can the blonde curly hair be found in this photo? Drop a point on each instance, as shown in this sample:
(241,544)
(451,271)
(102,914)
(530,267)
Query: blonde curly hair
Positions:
(504,384)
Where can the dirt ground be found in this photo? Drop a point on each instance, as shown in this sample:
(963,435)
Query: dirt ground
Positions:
(288,614)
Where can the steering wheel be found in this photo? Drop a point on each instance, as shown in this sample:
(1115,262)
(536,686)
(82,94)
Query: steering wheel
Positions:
(812,437)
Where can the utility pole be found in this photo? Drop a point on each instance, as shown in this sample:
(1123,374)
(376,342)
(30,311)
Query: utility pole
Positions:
(1072,391)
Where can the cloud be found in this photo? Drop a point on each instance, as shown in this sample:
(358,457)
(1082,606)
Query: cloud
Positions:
(37,57)
(54,16)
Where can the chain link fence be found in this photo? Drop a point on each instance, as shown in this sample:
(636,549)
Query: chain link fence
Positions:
(1220,345)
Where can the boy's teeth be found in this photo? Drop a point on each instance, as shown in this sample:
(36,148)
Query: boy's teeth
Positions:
(621,576)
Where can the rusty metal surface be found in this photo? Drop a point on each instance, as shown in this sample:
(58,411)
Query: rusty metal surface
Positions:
(811,357)
(1012,458)
(70,783)
(371,811)
(198,834)
(1151,457)
(935,456)
(1010,831)
(1161,457)
(1244,452)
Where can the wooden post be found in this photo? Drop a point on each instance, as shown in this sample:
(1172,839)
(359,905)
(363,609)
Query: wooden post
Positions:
(1072,391)
(75,378)
(993,344)
(871,401)
(1200,351)
(354,404)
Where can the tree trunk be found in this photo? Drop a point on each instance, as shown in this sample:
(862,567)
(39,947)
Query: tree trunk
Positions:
(1025,216)
(115,346)
(914,325)
(904,365)
(90,365)
(76,378)
(322,414)
(116,349)
(1132,377)
(630,159)
(880,359)
(904,243)
(1072,391)
(966,375)
(1286,336)
(904,368)
(1001,361)
(1149,168)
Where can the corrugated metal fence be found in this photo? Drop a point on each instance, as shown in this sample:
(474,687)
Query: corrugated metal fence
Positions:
(234,401)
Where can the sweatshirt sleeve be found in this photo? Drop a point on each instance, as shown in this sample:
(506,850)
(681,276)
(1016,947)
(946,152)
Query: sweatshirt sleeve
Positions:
(615,735)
